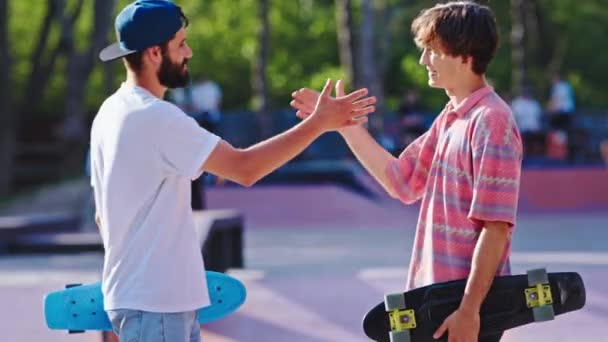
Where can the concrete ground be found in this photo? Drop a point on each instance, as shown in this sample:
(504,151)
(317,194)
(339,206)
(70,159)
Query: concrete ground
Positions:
(317,258)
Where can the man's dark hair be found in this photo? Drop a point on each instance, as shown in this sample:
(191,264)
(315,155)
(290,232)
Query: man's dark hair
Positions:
(460,29)
(134,60)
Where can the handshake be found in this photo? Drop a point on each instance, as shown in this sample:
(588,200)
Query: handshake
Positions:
(333,113)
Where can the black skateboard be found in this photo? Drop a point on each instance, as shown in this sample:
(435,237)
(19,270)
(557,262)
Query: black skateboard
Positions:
(512,301)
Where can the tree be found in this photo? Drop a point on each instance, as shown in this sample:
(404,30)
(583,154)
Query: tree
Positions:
(7,117)
(260,81)
(80,63)
(43,58)
(346,42)
(367,67)
(518,45)
(79,66)
(387,13)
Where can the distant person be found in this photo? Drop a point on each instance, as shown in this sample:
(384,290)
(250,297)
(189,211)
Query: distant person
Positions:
(561,100)
(201,101)
(561,108)
(206,100)
(527,112)
(73,135)
(411,118)
(144,154)
(528,115)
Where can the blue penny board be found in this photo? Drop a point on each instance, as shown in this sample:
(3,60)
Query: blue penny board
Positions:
(81,307)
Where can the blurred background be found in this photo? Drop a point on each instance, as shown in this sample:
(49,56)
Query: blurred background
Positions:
(317,242)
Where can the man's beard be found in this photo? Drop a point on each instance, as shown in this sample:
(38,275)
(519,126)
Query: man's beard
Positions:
(173,75)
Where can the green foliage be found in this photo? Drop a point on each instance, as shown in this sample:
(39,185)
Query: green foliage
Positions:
(303,51)
(581,25)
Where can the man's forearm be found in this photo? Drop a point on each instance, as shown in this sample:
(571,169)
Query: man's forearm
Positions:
(265,157)
(370,154)
(486,259)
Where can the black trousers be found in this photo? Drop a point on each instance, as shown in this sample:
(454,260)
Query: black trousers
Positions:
(198,185)
(198,194)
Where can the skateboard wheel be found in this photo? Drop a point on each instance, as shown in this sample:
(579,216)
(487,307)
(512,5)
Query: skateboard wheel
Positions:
(543,313)
(72,285)
(394,301)
(75,331)
(537,276)
(400,336)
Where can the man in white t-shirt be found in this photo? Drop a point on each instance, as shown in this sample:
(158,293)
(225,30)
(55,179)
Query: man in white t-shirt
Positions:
(202,101)
(144,153)
(528,115)
(527,112)
(561,108)
(206,98)
(562,96)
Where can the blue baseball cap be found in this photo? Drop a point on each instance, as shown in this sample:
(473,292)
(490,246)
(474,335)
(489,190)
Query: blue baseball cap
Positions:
(142,24)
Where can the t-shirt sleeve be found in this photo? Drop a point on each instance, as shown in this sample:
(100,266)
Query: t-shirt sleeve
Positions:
(497,155)
(184,145)
(408,174)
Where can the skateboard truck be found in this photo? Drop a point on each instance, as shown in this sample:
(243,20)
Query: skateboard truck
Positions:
(538,296)
(402,320)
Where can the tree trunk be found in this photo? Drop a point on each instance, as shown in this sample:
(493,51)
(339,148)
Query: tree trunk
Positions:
(518,46)
(7,117)
(366,62)
(80,64)
(260,80)
(79,68)
(346,44)
(368,67)
(546,46)
(43,62)
(532,28)
(386,13)
(43,59)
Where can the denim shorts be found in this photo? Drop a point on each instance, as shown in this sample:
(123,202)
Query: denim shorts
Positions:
(143,326)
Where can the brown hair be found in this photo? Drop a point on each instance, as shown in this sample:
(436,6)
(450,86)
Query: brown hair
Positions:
(134,61)
(461,29)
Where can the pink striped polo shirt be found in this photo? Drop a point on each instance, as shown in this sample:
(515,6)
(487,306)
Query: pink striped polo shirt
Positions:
(466,168)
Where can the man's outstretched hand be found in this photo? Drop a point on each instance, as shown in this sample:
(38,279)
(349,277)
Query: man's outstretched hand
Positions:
(333,113)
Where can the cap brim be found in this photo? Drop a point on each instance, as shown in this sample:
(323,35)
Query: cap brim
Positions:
(113,52)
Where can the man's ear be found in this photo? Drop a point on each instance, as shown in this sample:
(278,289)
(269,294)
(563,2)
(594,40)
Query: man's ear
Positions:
(154,54)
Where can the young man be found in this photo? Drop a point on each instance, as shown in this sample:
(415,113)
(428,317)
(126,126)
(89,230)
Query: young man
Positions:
(465,168)
(145,152)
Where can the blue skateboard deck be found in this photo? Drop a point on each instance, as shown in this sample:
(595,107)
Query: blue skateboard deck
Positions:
(79,308)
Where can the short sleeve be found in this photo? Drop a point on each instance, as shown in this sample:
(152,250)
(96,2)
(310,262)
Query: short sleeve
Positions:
(184,145)
(497,155)
(408,174)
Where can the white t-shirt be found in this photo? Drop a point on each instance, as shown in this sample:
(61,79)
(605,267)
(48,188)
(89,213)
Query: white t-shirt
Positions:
(527,113)
(200,97)
(144,154)
(206,96)
(562,97)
